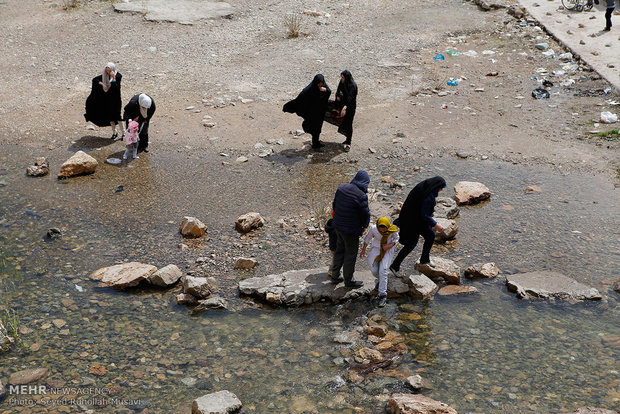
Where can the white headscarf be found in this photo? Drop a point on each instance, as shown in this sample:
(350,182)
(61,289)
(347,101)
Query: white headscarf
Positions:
(105,78)
(145,103)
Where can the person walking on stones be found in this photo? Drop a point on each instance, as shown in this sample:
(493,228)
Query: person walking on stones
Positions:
(382,238)
(103,105)
(416,219)
(351,218)
(140,108)
(346,102)
(311,104)
(611,5)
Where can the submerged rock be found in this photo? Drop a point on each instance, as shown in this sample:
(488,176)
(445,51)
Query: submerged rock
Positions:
(416,404)
(166,276)
(456,290)
(53,233)
(80,163)
(446,208)
(3,392)
(591,410)
(185,299)
(40,168)
(27,376)
(616,286)
(249,222)
(481,271)
(214,302)
(469,192)
(444,269)
(547,284)
(124,275)
(417,383)
(221,402)
(191,227)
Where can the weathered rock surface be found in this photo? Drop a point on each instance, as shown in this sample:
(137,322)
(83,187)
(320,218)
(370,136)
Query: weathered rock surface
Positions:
(191,227)
(450,228)
(245,263)
(124,275)
(249,222)
(178,11)
(166,276)
(186,299)
(532,189)
(616,286)
(214,302)
(369,354)
(547,284)
(469,192)
(444,269)
(417,383)
(27,376)
(80,163)
(196,286)
(446,208)
(306,286)
(416,404)
(3,391)
(421,286)
(40,168)
(592,410)
(456,290)
(482,271)
(221,402)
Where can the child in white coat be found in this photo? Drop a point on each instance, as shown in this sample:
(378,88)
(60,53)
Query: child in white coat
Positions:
(382,239)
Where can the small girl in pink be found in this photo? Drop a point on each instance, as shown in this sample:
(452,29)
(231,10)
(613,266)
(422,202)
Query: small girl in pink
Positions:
(131,140)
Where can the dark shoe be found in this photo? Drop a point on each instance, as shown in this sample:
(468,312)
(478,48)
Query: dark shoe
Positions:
(395,272)
(354,284)
(346,147)
(336,280)
(596,2)
(320,144)
(114,136)
(607,29)
(146,149)
(317,148)
(382,300)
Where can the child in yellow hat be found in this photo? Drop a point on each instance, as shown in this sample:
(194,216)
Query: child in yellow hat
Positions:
(382,238)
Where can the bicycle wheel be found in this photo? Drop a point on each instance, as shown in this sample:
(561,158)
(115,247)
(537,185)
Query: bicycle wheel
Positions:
(570,4)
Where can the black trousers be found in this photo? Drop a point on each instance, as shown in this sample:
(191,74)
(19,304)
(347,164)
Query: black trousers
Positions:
(144,137)
(429,238)
(345,255)
(608,13)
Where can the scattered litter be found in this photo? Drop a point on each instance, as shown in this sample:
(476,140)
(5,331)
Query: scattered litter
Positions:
(547,83)
(488,52)
(439,56)
(540,93)
(606,91)
(113,161)
(471,53)
(79,288)
(608,118)
(492,74)
(452,82)
(119,189)
(567,82)
(452,52)
(542,46)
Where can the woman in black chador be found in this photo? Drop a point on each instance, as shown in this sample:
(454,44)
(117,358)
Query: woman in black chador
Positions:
(416,219)
(311,104)
(103,105)
(346,102)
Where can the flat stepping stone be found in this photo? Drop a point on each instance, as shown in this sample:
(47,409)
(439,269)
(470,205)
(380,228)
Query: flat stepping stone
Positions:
(176,11)
(546,284)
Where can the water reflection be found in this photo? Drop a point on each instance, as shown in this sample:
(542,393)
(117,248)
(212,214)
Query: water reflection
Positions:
(490,353)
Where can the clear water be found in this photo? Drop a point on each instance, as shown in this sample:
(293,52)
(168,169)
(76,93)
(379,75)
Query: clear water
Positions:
(489,353)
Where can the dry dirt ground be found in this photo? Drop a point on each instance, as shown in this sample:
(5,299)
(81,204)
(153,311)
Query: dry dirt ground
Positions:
(237,73)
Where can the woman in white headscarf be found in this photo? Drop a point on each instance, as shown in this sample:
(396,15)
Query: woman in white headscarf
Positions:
(140,108)
(103,105)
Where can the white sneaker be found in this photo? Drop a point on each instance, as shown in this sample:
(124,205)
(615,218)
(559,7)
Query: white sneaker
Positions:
(124,156)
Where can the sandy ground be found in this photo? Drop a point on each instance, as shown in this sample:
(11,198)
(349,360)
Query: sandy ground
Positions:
(237,73)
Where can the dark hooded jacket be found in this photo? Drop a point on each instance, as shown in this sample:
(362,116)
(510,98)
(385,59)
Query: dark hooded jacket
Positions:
(310,104)
(351,213)
(418,208)
(347,92)
(132,110)
(104,107)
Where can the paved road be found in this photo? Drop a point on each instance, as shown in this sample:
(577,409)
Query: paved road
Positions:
(582,33)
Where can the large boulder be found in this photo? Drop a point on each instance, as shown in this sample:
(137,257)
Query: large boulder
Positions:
(191,227)
(444,269)
(40,168)
(27,376)
(80,163)
(546,284)
(245,263)
(450,228)
(249,222)
(166,276)
(124,275)
(482,271)
(446,208)
(469,192)
(196,286)
(421,287)
(221,402)
(416,404)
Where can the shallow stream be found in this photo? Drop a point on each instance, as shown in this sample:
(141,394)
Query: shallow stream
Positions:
(489,353)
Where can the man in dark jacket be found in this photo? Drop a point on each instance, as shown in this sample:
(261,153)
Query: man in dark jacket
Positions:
(141,109)
(351,218)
